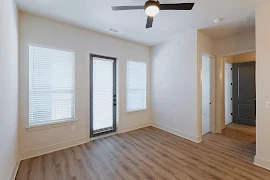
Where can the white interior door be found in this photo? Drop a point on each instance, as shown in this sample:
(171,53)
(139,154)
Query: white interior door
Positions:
(228,93)
(206,93)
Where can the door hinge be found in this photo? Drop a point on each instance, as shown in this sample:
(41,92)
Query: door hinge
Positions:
(231,68)
(231,83)
(231,98)
(231,113)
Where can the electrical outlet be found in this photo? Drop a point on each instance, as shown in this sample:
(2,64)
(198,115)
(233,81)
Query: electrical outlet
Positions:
(73,128)
(267,104)
(174,119)
(156,95)
(166,118)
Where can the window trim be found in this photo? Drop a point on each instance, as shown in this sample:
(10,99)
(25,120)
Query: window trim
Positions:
(51,125)
(61,122)
(146,88)
(49,47)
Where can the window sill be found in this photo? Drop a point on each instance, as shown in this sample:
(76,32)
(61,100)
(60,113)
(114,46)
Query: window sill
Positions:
(51,125)
(136,111)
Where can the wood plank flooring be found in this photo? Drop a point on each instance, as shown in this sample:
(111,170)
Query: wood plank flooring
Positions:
(150,153)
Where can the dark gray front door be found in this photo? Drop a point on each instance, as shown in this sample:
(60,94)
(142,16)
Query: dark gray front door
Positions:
(244,93)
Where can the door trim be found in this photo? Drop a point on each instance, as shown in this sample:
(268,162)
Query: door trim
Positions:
(220,91)
(92,56)
(230,89)
(212,95)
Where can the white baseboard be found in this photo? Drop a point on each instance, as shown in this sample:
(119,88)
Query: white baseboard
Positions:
(68,144)
(199,139)
(262,163)
(178,133)
(52,148)
(14,171)
(72,143)
(131,128)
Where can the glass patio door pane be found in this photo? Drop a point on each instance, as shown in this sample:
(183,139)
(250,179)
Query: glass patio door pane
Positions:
(103,95)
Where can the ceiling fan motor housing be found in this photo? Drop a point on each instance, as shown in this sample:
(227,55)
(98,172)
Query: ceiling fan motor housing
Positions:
(151,3)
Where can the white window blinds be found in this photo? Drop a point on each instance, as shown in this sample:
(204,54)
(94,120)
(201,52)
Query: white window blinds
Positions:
(136,86)
(51,86)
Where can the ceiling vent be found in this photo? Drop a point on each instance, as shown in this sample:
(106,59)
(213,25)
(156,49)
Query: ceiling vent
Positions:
(114,31)
(218,20)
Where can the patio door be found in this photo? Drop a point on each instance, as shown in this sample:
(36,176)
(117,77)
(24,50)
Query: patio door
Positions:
(102,95)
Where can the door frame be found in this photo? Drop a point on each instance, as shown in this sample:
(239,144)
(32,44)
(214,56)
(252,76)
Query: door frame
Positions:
(212,96)
(92,56)
(220,96)
(230,93)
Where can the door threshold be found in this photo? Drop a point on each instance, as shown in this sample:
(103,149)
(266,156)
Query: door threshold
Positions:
(102,136)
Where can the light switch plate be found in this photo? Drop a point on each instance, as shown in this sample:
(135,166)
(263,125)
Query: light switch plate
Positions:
(267,104)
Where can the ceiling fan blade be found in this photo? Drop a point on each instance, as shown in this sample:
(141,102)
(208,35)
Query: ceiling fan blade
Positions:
(149,22)
(122,8)
(180,6)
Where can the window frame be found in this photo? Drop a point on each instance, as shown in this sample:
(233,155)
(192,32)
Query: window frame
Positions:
(146,87)
(60,122)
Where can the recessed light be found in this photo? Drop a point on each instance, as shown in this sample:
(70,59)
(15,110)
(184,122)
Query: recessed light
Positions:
(166,29)
(218,20)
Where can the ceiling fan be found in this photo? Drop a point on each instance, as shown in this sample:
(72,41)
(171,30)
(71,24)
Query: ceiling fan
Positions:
(152,8)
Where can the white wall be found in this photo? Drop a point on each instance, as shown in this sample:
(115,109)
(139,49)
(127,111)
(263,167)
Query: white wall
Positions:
(174,86)
(236,44)
(262,157)
(206,45)
(42,31)
(8,89)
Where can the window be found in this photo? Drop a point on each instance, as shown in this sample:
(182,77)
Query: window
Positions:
(136,86)
(51,86)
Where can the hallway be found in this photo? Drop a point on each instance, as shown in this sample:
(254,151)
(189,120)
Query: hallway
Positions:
(236,140)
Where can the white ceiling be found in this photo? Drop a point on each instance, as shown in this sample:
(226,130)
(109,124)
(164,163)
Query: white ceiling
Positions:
(233,27)
(98,16)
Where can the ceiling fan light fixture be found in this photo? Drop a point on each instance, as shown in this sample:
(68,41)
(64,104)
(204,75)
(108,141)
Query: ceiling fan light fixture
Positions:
(151,8)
